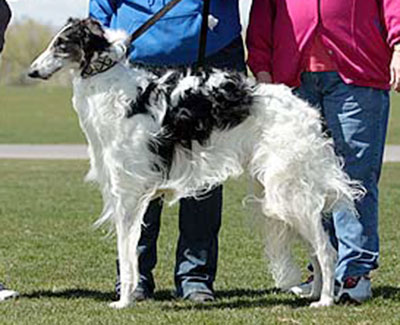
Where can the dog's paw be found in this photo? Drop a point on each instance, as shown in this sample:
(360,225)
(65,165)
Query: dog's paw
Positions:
(120,304)
(323,302)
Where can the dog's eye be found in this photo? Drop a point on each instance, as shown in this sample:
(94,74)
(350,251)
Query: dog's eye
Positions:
(60,44)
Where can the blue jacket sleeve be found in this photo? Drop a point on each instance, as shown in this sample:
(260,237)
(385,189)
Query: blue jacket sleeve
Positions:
(102,10)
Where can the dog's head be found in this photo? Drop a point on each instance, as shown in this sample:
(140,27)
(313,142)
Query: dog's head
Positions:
(76,45)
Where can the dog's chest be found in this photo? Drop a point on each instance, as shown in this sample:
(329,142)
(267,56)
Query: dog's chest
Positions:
(99,112)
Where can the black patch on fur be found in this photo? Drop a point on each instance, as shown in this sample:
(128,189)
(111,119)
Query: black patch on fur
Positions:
(163,147)
(173,80)
(198,112)
(202,110)
(139,106)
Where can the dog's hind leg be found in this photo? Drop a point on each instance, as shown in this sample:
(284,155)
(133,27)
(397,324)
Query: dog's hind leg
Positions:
(326,258)
(128,219)
(317,276)
(323,258)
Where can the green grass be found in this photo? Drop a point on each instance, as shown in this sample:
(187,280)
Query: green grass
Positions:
(40,115)
(65,270)
(394,120)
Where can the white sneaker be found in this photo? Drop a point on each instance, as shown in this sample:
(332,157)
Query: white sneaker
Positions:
(304,288)
(7,294)
(355,289)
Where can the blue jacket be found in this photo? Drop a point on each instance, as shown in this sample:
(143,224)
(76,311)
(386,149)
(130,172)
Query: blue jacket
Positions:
(174,39)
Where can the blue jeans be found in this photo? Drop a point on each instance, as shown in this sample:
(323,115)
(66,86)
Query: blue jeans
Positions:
(356,118)
(199,220)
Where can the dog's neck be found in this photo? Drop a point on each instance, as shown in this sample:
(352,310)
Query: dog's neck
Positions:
(101,62)
(121,75)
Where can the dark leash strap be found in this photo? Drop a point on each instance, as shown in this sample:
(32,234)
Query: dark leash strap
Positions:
(104,63)
(150,22)
(203,34)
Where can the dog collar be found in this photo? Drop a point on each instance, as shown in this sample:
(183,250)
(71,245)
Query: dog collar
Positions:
(104,63)
(101,64)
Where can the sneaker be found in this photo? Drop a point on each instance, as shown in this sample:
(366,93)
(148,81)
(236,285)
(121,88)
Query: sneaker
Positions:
(200,297)
(304,288)
(139,294)
(355,289)
(7,294)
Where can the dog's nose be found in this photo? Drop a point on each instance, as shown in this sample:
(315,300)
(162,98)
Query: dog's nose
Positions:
(33,74)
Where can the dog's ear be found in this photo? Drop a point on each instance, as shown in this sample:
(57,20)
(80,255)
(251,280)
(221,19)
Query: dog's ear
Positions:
(72,21)
(93,40)
(94,27)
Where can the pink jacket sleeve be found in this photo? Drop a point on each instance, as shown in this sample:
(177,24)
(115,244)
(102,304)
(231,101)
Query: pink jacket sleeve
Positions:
(391,17)
(259,36)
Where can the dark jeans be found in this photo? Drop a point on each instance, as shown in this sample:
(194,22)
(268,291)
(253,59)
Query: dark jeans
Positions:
(199,220)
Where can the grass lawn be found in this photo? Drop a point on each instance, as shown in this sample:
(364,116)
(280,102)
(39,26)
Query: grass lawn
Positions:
(40,115)
(394,120)
(64,269)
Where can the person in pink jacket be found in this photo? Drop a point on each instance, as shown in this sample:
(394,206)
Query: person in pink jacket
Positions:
(342,56)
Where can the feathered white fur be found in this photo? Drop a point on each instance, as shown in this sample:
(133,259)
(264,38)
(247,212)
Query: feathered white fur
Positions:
(281,145)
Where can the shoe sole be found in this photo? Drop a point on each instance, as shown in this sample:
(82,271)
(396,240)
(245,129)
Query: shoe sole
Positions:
(346,298)
(10,297)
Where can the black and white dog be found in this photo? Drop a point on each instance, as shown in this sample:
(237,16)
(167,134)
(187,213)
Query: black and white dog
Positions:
(183,132)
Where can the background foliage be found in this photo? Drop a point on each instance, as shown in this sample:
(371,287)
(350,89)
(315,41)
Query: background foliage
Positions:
(25,40)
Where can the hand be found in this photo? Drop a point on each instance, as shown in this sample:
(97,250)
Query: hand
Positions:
(395,70)
(265,77)
(117,50)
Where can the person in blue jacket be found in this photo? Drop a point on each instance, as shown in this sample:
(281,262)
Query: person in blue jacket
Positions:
(174,41)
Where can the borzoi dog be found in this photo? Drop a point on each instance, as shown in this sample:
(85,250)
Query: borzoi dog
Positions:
(183,132)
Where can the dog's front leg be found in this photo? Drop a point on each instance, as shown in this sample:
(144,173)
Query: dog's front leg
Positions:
(128,219)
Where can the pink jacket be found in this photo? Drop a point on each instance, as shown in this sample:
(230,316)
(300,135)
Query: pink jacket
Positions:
(359,34)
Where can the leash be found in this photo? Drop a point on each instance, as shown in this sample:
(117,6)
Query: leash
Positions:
(105,62)
(203,34)
(150,22)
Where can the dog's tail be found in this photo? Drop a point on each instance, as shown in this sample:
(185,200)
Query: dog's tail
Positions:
(303,179)
(295,159)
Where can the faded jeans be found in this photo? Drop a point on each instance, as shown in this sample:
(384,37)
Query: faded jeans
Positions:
(356,118)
